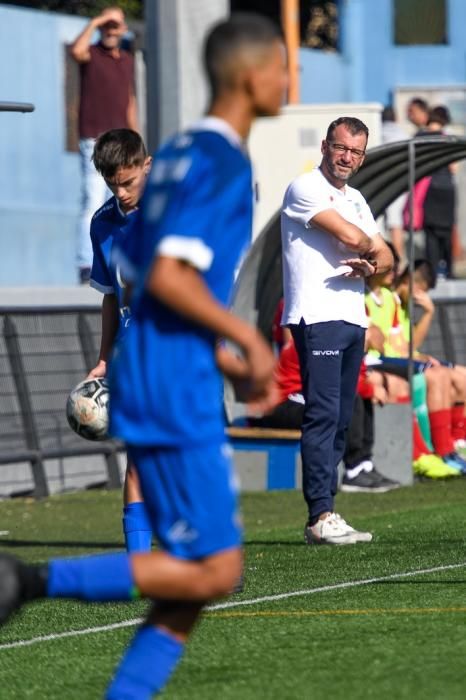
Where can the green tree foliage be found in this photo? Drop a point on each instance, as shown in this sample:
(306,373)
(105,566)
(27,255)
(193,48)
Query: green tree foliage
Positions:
(133,9)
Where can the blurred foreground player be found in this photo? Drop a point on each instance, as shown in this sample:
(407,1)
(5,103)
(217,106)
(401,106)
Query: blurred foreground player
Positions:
(194,223)
(121,158)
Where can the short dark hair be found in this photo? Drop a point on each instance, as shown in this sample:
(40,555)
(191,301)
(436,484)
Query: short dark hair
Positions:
(355,126)
(243,30)
(118,148)
(439,115)
(424,269)
(394,252)
(419,102)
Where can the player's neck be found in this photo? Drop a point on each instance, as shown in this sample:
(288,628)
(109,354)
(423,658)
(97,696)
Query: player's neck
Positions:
(234,113)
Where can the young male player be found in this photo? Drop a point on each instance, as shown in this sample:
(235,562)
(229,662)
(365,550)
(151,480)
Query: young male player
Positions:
(193,225)
(121,158)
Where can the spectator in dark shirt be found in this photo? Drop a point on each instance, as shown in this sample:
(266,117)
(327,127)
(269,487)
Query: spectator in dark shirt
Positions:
(107,101)
(440,204)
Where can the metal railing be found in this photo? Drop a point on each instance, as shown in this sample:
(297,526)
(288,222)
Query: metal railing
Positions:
(16,107)
(44,353)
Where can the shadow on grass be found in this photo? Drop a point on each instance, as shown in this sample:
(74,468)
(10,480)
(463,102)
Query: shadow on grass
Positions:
(60,543)
(377,541)
(272,543)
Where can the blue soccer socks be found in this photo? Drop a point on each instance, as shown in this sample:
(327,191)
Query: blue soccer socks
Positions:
(97,578)
(137,528)
(147,665)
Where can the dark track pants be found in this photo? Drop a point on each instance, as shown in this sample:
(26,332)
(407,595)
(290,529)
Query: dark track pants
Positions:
(330,356)
(360,435)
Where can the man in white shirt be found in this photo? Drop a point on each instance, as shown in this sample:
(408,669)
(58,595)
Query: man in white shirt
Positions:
(330,244)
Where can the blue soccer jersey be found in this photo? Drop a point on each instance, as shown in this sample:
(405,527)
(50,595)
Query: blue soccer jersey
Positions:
(109,226)
(165,386)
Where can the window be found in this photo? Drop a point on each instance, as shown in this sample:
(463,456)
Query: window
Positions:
(318,19)
(320,25)
(420,22)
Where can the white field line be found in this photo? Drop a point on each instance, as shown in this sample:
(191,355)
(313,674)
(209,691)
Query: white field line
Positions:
(237,603)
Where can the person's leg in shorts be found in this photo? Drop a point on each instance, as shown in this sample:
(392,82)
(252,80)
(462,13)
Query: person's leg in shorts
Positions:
(192,502)
(191,499)
(137,528)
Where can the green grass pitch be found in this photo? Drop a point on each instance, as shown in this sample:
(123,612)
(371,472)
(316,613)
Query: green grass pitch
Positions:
(380,620)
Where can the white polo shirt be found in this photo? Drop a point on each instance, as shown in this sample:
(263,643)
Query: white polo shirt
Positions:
(313,285)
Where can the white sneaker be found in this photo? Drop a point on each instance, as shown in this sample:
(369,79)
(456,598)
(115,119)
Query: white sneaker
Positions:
(357,534)
(333,530)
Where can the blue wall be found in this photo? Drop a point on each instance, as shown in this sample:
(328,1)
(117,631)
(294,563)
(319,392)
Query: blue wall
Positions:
(39,180)
(370,66)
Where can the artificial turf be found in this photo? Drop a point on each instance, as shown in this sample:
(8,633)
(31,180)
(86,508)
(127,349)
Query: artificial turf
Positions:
(401,636)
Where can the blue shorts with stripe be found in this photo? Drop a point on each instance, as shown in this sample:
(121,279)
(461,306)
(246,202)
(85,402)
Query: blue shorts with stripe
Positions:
(191,498)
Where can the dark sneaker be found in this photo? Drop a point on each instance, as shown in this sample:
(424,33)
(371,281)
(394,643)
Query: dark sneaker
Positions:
(10,586)
(368,482)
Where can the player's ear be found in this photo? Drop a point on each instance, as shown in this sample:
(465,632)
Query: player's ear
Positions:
(147,164)
(323,146)
(252,81)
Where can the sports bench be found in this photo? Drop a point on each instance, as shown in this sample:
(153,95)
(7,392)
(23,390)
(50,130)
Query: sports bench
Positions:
(392,449)
(280,446)
(46,348)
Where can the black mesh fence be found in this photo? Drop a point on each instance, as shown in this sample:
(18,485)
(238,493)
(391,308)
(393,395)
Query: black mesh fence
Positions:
(447,335)
(44,353)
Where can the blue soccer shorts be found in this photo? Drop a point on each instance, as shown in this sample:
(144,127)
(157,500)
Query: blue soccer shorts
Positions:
(191,498)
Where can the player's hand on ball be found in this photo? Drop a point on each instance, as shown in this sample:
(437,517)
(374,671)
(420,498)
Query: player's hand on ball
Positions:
(99,371)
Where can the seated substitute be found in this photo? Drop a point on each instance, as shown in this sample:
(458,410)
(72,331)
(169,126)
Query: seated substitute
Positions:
(445,385)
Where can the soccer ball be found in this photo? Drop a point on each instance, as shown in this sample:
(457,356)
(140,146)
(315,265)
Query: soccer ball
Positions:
(87,409)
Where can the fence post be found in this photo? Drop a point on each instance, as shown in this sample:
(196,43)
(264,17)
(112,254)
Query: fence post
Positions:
(448,344)
(87,344)
(113,471)
(24,399)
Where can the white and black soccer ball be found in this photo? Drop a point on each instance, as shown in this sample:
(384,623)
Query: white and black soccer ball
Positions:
(87,409)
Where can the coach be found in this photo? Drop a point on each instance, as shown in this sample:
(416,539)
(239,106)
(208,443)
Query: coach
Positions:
(330,244)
